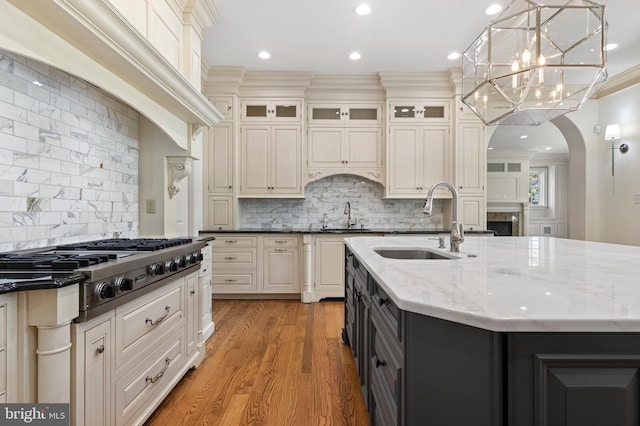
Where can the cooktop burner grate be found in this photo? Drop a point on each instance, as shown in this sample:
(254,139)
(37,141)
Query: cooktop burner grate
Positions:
(51,261)
(137,244)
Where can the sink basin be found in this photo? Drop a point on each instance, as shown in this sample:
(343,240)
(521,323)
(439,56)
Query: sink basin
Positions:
(401,253)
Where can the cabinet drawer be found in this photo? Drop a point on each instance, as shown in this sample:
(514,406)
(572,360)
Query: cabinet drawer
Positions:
(388,310)
(139,322)
(281,242)
(383,410)
(229,281)
(149,378)
(233,241)
(234,259)
(385,359)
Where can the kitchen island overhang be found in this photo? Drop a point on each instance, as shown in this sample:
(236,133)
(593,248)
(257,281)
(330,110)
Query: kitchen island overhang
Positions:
(481,340)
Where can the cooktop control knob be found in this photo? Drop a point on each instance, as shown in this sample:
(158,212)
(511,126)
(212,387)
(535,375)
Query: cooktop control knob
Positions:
(156,269)
(170,265)
(181,262)
(123,284)
(105,291)
(192,258)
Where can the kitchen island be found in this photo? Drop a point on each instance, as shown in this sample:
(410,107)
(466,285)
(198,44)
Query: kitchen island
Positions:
(516,331)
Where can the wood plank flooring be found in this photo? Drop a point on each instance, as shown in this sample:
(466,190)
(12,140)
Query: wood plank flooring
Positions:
(270,362)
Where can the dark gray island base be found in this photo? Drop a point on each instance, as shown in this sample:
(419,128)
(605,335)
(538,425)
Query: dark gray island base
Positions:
(417,370)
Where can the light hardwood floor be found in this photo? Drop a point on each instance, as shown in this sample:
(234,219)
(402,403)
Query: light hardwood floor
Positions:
(270,362)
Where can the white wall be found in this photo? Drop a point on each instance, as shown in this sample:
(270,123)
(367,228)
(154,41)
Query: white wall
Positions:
(619,217)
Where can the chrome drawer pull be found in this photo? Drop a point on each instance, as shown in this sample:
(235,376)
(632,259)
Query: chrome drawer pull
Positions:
(230,280)
(167,361)
(281,241)
(230,241)
(230,258)
(159,320)
(281,250)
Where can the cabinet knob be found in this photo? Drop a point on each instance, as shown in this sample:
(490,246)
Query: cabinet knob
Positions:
(382,301)
(100,349)
(379,363)
(192,292)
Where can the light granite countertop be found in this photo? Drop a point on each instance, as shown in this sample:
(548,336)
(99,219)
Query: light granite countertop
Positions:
(529,284)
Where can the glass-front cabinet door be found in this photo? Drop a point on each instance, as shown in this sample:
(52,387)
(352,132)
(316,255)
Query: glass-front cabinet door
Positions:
(419,111)
(271,110)
(369,114)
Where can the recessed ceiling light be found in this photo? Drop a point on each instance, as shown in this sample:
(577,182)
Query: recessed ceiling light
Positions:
(264,55)
(363,9)
(494,9)
(548,148)
(453,55)
(524,137)
(490,148)
(611,46)
(354,56)
(37,83)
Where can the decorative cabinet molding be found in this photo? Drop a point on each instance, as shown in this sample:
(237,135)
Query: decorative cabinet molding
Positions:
(333,114)
(178,168)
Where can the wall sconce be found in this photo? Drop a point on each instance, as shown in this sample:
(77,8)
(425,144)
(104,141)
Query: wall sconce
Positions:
(612,133)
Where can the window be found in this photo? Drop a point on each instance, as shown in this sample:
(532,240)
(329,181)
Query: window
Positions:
(538,186)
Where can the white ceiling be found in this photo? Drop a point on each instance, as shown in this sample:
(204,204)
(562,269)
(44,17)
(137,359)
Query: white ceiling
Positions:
(398,35)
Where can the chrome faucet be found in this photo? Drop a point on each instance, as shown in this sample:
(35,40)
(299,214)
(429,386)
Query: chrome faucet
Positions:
(325,221)
(457,230)
(347,211)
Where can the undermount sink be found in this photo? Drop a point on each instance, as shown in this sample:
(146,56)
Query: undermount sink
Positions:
(402,253)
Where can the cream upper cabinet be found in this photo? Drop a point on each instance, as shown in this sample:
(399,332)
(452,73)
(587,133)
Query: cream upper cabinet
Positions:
(220,212)
(271,157)
(419,156)
(220,159)
(224,105)
(472,212)
(260,110)
(359,147)
(471,158)
(352,114)
(412,111)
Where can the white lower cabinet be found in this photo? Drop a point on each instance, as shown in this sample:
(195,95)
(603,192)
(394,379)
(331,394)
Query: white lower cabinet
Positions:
(255,264)
(280,266)
(8,348)
(329,267)
(127,360)
(473,213)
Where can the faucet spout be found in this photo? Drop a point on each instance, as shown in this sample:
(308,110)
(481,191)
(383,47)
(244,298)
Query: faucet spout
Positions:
(457,229)
(347,211)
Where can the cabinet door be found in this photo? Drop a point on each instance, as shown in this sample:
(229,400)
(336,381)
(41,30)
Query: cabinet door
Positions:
(472,158)
(329,267)
(97,375)
(325,114)
(220,167)
(281,271)
(403,112)
(220,213)
(271,110)
(363,147)
(286,110)
(325,147)
(255,158)
(286,159)
(404,159)
(436,159)
(472,213)
(363,114)
(224,104)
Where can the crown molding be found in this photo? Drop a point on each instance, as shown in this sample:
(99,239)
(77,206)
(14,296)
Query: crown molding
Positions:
(345,87)
(223,80)
(276,84)
(417,85)
(620,82)
(200,13)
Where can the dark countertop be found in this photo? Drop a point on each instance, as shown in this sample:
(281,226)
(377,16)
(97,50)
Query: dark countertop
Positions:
(316,230)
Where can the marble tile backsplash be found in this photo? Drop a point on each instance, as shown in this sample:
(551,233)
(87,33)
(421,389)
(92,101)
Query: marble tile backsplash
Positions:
(329,196)
(68,158)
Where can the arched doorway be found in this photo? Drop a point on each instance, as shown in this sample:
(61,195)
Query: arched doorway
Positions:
(562,131)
